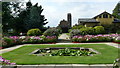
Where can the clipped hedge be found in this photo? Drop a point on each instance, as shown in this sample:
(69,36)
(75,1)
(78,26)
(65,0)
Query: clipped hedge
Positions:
(87,31)
(34,32)
(99,30)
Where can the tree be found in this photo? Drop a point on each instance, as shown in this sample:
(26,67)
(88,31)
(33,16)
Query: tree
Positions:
(116,11)
(34,19)
(10,11)
(7,18)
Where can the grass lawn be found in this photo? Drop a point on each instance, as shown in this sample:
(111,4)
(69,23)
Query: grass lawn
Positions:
(21,55)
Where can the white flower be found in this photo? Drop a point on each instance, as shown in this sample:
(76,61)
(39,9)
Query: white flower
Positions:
(22,37)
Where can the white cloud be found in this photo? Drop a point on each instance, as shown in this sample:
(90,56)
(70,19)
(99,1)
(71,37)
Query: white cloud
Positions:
(56,10)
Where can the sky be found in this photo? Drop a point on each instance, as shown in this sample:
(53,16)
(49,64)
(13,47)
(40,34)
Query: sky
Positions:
(56,10)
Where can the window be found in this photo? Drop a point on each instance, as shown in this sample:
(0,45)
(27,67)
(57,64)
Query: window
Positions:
(100,16)
(105,16)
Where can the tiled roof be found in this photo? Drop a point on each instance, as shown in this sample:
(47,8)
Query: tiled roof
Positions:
(103,13)
(86,20)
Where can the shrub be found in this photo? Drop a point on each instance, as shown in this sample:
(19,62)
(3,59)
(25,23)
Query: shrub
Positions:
(74,32)
(117,39)
(3,61)
(87,31)
(99,29)
(118,32)
(51,39)
(6,42)
(78,39)
(52,32)
(78,27)
(34,32)
(96,38)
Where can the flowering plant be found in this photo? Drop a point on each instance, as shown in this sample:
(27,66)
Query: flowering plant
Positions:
(50,39)
(95,38)
(5,62)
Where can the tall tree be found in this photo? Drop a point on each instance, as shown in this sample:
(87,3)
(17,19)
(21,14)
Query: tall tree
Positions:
(35,19)
(6,16)
(116,11)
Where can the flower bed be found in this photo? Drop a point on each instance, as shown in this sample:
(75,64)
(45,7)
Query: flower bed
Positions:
(14,40)
(95,38)
(3,61)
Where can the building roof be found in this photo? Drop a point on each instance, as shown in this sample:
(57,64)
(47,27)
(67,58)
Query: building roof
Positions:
(86,20)
(103,13)
(116,20)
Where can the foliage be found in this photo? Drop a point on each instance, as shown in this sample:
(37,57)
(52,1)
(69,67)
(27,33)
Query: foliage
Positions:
(6,42)
(34,32)
(74,32)
(116,63)
(14,40)
(117,39)
(34,19)
(20,19)
(95,38)
(52,32)
(113,28)
(87,31)
(116,11)
(78,27)
(7,18)
(99,29)
(5,62)
(50,39)
(66,52)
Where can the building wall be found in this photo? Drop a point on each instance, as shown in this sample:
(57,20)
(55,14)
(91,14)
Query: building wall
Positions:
(104,21)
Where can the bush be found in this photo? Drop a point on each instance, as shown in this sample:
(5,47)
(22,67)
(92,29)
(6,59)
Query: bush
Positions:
(87,31)
(78,27)
(118,32)
(34,32)
(96,38)
(6,42)
(117,39)
(78,39)
(74,32)
(51,39)
(52,32)
(99,29)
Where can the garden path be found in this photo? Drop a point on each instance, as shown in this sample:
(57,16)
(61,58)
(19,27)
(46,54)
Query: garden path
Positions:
(64,38)
(65,66)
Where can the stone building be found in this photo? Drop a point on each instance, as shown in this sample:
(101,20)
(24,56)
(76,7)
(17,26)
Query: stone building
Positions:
(65,25)
(104,18)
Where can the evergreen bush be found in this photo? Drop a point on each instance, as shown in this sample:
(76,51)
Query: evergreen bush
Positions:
(34,32)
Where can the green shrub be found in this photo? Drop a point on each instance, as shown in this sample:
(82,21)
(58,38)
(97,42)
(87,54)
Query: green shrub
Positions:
(52,32)
(87,31)
(99,29)
(118,32)
(117,39)
(6,42)
(74,32)
(78,27)
(34,32)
